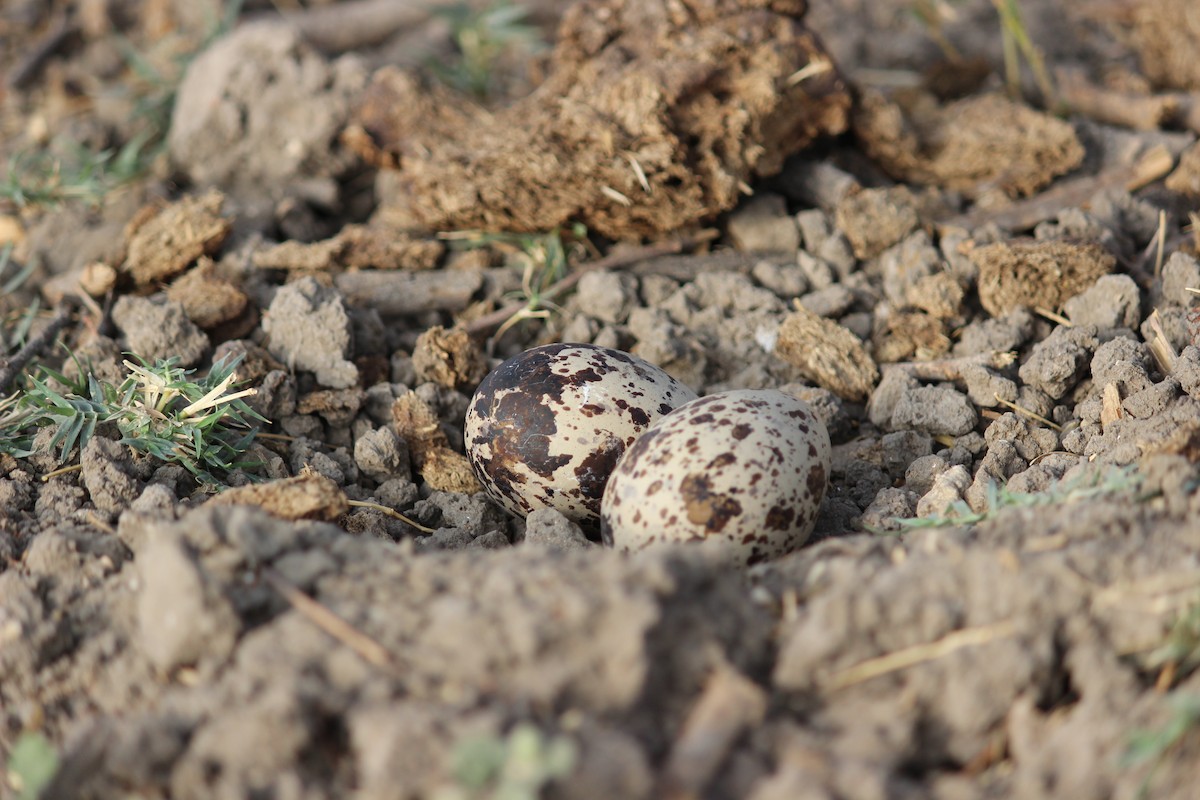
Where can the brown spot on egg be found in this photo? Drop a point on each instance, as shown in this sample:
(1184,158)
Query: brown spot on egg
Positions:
(723,460)
(816,480)
(780,518)
(706,507)
(593,471)
(741,430)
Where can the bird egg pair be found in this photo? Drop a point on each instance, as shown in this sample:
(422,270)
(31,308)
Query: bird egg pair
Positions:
(615,443)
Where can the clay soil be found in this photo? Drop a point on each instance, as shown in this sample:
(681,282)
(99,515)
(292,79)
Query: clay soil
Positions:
(985,291)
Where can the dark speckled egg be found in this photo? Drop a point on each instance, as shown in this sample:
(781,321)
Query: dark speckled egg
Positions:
(745,468)
(546,427)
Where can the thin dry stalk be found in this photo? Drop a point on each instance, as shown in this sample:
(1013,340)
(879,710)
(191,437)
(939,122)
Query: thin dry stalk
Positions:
(1011,406)
(950,369)
(391,512)
(37,344)
(919,654)
(370,650)
(729,704)
(1053,317)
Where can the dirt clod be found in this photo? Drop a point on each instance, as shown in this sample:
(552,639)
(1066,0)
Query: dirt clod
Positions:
(157,330)
(959,146)
(875,219)
(163,241)
(1043,274)
(306,496)
(208,299)
(441,467)
(827,354)
(449,358)
(649,120)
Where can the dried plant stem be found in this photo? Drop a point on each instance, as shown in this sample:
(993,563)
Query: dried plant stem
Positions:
(391,512)
(36,345)
(371,651)
(1027,413)
(950,369)
(917,654)
(61,471)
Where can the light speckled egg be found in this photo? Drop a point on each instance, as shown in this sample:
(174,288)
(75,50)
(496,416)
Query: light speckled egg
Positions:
(546,427)
(744,468)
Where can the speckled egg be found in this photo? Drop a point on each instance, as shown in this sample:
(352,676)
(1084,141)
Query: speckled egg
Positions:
(546,427)
(744,468)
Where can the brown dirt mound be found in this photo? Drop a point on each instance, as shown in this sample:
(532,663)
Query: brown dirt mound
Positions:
(654,116)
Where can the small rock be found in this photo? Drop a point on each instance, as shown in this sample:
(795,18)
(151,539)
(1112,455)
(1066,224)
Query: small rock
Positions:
(831,302)
(548,527)
(947,490)
(985,386)
(1187,370)
(1124,362)
(606,296)
(1058,362)
(815,228)
(922,472)
(157,330)
(109,475)
(936,410)
(1030,439)
(888,508)
(763,224)
(1180,273)
(785,280)
(182,618)
(1152,400)
(382,455)
(1001,462)
(905,264)
(875,219)
(998,334)
(1112,302)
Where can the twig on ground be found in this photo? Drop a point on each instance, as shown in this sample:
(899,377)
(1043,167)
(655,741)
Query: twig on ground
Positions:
(391,512)
(917,654)
(950,369)
(360,23)
(36,345)
(618,260)
(1025,214)
(1027,413)
(1057,319)
(728,706)
(1142,112)
(24,73)
(371,651)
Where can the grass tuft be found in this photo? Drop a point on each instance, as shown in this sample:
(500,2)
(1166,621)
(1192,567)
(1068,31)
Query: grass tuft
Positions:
(544,259)
(200,424)
(484,37)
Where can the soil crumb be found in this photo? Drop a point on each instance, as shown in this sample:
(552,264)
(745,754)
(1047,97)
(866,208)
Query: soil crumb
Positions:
(827,354)
(959,146)
(306,496)
(1037,274)
(163,240)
